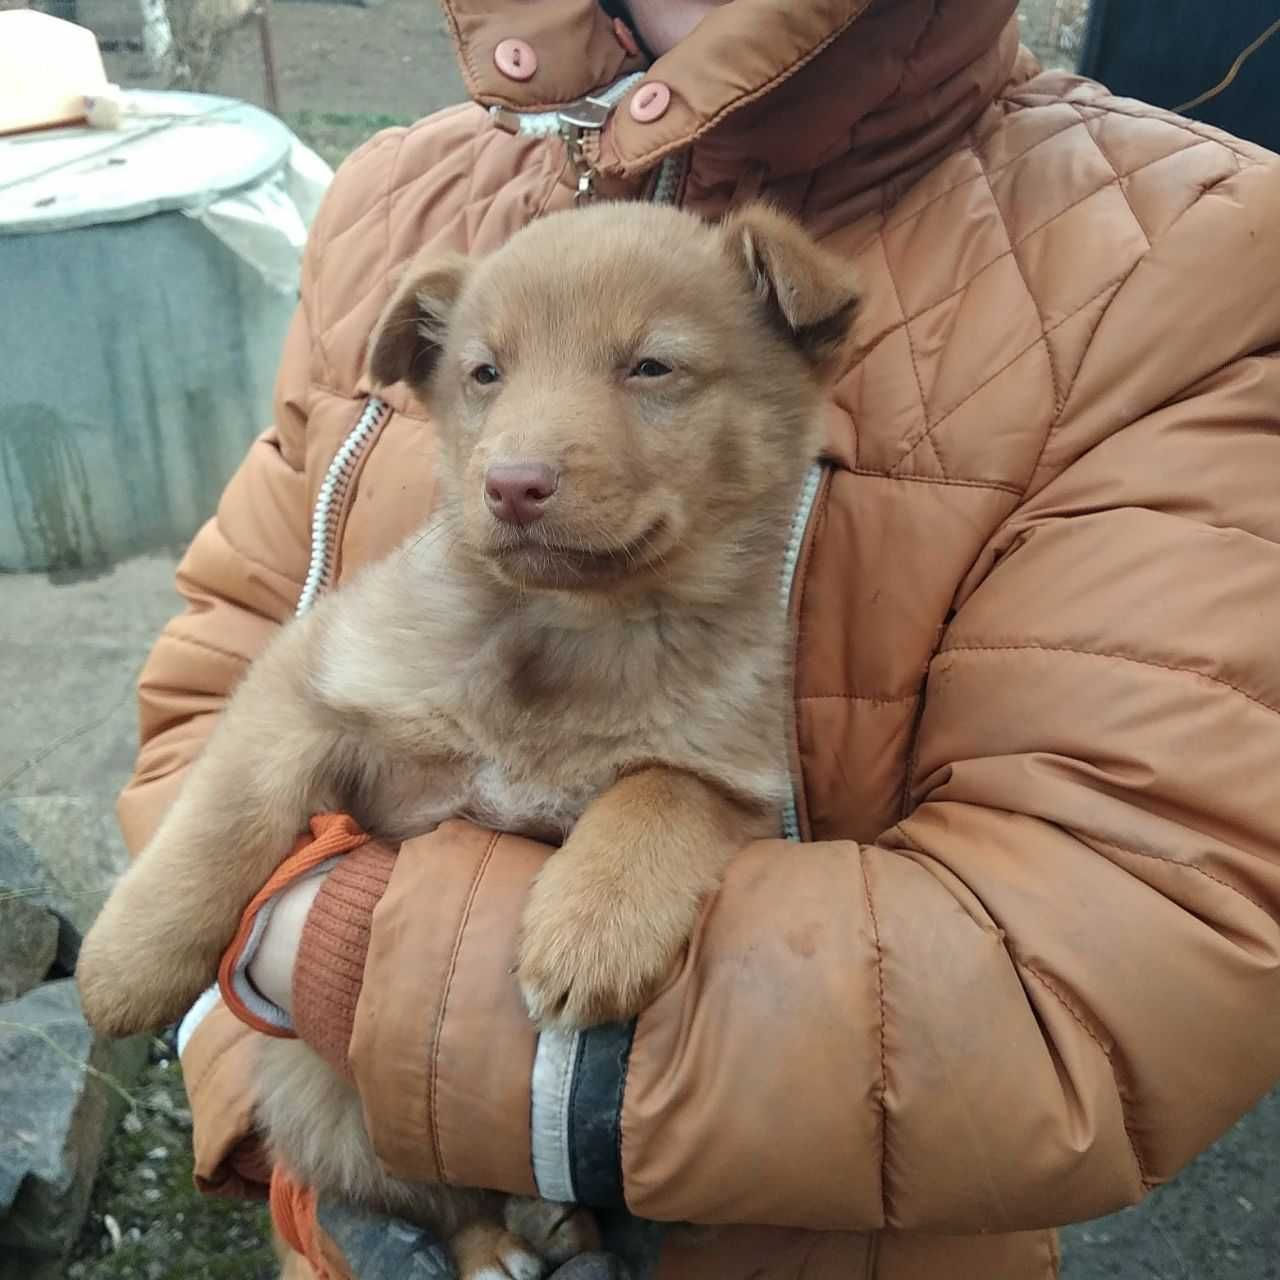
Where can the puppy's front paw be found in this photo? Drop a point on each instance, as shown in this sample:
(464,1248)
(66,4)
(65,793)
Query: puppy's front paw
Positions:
(135,978)
(592,951)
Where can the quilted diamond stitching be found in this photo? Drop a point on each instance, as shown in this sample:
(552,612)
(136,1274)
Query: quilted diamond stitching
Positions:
(1035,302)
(977,177)
(923,311)
(1097,324)
(1061,394)
(1206,133)
(915,363)
(1120,181)
(1008,364)
(1085,110)
(400,178)
(932,427)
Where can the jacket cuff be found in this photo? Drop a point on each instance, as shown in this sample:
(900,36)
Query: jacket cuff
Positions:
(575,1113)
(332,835)
(329,971)
(218,1066)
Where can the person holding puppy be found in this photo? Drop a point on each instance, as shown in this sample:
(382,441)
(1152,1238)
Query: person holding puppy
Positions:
(1014,963)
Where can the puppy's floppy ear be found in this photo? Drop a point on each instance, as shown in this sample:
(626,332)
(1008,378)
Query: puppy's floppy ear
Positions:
(810,292)
(410,333)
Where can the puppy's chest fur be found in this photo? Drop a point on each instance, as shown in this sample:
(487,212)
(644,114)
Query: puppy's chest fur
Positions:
(555,715)
(500,715)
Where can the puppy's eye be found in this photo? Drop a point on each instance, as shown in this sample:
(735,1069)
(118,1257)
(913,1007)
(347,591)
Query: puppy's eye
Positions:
(650,369)
(485,374)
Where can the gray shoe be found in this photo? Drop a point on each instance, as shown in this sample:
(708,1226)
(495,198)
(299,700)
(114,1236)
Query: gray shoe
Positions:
(592,1266)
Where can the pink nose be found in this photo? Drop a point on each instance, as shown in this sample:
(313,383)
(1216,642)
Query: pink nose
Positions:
(517,492)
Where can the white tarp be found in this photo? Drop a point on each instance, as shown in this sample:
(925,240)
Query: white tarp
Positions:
(266,224)
(149,274)
(232,167)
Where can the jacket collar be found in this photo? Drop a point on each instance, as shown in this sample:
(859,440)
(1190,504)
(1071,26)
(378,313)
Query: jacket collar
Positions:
(771,91)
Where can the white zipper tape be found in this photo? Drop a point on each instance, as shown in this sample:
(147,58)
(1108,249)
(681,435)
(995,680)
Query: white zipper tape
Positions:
(790,563)
(333,488)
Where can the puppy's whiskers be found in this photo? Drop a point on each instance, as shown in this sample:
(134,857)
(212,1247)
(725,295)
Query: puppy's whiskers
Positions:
(429,535)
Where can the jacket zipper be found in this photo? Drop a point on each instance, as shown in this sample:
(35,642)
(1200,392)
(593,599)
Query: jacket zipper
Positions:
(800,519)
(331,500)
(576,124)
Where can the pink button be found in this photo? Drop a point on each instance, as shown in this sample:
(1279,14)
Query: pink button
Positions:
(515,59)
(650,101)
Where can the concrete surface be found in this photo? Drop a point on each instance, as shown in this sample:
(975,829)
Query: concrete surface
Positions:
(69,654)
(70,650)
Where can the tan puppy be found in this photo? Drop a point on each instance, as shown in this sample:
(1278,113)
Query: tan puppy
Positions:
(584,643)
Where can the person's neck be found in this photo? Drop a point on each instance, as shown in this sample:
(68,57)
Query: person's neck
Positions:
(662,24)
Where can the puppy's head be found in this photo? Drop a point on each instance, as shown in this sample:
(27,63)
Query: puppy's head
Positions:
(625,395)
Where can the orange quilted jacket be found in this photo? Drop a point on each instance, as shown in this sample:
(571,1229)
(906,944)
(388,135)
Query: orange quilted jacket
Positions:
(1025,961)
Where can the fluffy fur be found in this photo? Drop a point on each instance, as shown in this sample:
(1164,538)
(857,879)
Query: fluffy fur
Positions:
(612,675)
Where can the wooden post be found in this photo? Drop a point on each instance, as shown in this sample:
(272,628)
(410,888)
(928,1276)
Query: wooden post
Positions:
(268,55)
(157,36)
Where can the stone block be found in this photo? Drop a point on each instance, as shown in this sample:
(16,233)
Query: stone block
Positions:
(55,1115)
(61,853)
(28,944)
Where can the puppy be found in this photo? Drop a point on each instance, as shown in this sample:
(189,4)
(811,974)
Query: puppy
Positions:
(584,644)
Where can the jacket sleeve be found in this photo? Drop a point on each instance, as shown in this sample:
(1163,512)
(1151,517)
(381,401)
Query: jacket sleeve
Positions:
(1053,984)
(1046,989)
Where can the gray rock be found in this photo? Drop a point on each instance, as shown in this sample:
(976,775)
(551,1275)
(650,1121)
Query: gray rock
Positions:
(378,1248)
(63,854)
(28,944)
(54,1119)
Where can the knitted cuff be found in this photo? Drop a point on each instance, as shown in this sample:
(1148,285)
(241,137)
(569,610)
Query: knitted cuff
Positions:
(329,971)
(331,835)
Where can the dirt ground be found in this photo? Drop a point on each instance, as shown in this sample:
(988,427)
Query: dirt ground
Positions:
(345,71)
(342,71)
